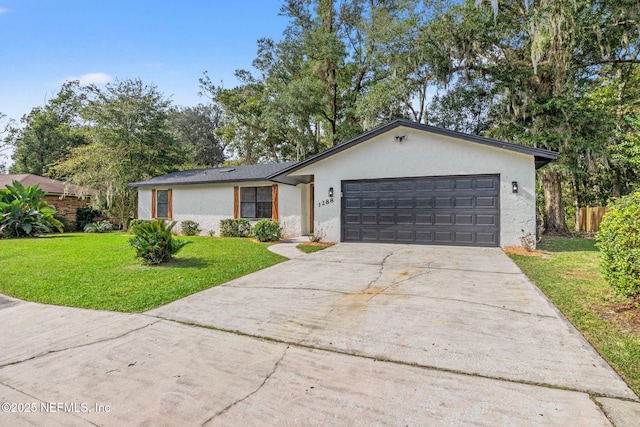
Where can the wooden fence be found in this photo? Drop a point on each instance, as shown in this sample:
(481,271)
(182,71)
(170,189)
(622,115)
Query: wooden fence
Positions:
(590,219)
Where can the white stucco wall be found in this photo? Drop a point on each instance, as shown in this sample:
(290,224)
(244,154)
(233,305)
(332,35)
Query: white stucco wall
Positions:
(207,204)
(426,154)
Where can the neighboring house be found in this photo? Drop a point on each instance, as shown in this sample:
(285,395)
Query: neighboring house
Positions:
(66,199)
(402,182)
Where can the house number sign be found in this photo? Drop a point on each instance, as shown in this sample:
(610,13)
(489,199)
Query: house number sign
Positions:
(325,202)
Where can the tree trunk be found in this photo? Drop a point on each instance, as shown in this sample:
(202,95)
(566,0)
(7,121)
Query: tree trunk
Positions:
(554,217)
(616,191)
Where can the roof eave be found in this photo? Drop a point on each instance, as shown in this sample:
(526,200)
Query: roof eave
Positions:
(173,183)
(542,157)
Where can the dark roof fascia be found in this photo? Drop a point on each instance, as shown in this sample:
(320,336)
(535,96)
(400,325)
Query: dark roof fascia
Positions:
(542,157)
(199,176)
(170,183)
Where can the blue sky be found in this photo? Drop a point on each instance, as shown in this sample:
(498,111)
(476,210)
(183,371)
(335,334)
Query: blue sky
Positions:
(168,43)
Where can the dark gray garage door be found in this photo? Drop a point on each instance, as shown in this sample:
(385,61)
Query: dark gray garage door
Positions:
(450,210)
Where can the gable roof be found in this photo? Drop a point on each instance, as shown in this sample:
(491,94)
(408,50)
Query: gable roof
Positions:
(215,175)
(51,186)
(542,157)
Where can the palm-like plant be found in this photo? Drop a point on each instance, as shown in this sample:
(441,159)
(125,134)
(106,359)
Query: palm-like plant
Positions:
(154,243)
(23,212)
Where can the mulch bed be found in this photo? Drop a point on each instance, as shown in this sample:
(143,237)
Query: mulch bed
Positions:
(519,250)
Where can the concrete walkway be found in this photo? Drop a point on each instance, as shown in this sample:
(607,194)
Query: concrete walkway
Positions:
(352,335)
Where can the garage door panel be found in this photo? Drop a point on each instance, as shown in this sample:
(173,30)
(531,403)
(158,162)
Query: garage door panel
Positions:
(464,184)
(352,203)
(443,237)
(486,202)
(425,185)
(405,235)
(444,202)
(424,237)
(425,202)
(352,234)
(487,183)
(386,202)
(443,219)
(405,186)
(369,218)
(369,187)
(459,210)
(490,239)
(352,218)
(486,219)
(369,234)
(464,237)
(444,184)
(464,219)
(405,202)
(387,218)
(386,187)
(424,219)
(406,218)
(369,203)
(464,201)
(352,188)
(387,235)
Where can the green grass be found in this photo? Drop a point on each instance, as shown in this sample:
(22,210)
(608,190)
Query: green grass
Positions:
(569,275)
(310,248)
(100,271)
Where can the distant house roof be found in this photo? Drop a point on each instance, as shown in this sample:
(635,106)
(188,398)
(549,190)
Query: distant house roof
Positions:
(215,175)
(51,186)
(542,157)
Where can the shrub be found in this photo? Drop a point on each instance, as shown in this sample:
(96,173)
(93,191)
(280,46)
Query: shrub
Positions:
(267,231)
(154,243)
(135,222)
(86,216)
(190,228)
(619,243)
(235,227)
(98,227)
(317,237)
(24,213)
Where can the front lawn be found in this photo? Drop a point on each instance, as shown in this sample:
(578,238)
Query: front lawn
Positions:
(100,271)
(569,274)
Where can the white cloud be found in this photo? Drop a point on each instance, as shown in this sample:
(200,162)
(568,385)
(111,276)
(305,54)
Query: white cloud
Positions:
(4,10)
(92,78)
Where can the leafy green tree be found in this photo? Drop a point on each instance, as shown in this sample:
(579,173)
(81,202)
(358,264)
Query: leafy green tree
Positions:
(48,133)
(195,129)
(5,143)
(537,62)
(304,97)
(130,140)
(243,129)
(23,212)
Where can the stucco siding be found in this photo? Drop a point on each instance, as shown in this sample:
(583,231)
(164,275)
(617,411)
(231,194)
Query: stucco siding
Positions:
(289,209)
(208,204)
(144,203)
(426,154)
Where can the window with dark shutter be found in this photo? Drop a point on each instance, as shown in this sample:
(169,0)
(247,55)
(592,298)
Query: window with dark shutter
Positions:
(162,204)
(256,202)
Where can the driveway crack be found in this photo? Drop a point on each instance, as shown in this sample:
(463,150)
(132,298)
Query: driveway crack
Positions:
(36,356)
(380,271)
(288,288)
(273,371)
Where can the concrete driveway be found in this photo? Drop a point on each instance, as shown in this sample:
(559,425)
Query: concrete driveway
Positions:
(356,334)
